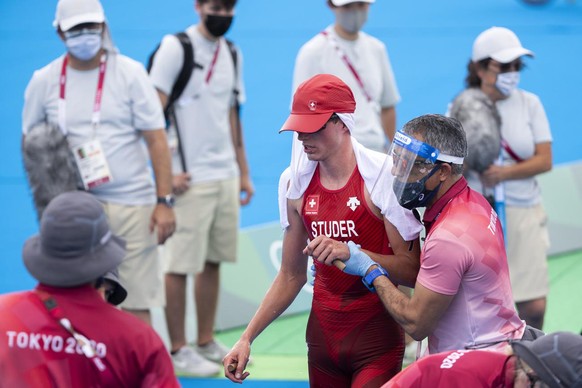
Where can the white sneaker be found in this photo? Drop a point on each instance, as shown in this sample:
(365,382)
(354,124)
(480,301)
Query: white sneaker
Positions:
(188,361)
(215,351)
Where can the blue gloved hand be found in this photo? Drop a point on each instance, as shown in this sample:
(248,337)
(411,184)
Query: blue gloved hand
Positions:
(359,262)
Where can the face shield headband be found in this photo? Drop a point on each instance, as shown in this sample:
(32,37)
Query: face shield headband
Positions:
(414,162)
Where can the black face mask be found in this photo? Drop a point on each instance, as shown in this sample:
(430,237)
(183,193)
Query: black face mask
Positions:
(415,194)
(217,25)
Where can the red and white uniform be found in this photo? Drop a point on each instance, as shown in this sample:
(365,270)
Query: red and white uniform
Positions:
(459,368)
(352,340)
(36,351)
(464,255)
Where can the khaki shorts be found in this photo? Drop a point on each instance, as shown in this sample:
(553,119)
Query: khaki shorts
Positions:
(141,270)
(527,245)
(207,222)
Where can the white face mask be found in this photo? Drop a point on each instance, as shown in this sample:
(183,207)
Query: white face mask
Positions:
(85,46)
(352,20)
(507,82)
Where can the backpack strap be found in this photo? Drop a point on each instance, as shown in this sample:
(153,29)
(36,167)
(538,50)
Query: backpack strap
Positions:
(235,91)
(185,72)
(234,55)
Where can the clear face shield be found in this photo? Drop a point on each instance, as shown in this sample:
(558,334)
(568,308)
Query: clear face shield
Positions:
(413,163)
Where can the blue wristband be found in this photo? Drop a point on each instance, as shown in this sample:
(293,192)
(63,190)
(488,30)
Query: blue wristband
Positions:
(368,280)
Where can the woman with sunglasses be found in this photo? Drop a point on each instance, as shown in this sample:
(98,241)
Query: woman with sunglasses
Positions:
(513,123)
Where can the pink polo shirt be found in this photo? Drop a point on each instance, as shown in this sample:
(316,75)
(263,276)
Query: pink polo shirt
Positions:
(464,255)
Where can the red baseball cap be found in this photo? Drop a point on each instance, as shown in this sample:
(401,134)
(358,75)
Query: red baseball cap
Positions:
(316,100)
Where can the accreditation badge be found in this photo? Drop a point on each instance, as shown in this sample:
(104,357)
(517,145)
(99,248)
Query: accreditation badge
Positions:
(92,164)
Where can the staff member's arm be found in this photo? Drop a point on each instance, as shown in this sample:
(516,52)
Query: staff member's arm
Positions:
(388,118)
(539,163)
(419,314)
(284,289)
(163,216)
(246,185)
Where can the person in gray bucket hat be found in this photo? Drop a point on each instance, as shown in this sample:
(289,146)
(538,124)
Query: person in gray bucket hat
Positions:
(553,360)
(556,359)
(75,245)
(55,334)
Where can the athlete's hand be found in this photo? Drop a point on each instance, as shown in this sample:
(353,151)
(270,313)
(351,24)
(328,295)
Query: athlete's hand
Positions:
(359,262)
(181,183)
(236,360)
(326,250)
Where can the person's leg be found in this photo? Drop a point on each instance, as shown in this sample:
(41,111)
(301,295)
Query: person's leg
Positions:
(184,255)
(175,310)
(206,288)
(222,247)
(527,244)
(140,271)
(532,312)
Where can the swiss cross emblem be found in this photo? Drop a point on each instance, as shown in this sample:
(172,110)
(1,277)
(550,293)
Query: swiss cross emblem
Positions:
(312,105)
(353,203)
(312,204)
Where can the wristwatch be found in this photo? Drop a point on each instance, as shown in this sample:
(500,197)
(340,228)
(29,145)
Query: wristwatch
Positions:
(169,200)
(368,280)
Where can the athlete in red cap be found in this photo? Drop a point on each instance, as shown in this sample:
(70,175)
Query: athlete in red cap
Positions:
(351,339)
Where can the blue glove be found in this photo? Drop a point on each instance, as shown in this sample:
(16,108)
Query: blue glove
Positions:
(358,263)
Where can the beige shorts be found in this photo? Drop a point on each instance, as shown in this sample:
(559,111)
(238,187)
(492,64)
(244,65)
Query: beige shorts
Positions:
(141,270)
(207,223)
(527,245)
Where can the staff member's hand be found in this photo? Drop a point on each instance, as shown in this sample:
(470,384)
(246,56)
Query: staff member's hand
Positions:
(359,262)
(164,220)
(181,183)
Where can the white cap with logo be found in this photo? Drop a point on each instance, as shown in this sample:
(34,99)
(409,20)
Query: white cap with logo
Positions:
(500,44)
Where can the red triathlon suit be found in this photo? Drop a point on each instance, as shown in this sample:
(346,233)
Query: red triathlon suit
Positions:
(351,339)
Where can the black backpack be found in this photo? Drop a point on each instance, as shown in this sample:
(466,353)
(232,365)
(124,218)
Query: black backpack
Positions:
(184,76)
(188,67)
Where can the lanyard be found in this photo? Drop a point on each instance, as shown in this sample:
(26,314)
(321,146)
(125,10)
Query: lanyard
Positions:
(96,117)
(83,342)
(344,57)
(510,151)
(213,63)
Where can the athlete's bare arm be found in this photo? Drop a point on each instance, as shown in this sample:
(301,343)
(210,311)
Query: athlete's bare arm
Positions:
(284,289)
